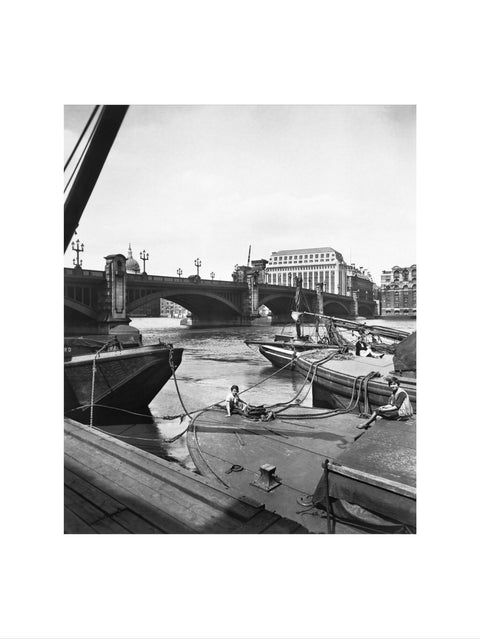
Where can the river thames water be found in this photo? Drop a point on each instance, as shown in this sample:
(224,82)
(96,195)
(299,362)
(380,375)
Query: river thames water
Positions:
(213,360)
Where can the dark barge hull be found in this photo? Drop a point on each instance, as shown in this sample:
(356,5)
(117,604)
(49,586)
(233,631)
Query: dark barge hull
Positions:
(333,384)
(334,381)
(127,379)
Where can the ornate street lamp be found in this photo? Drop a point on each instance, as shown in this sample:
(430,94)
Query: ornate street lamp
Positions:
(78,250)
(198,264)
(212,275)
(179,272)
(144,257)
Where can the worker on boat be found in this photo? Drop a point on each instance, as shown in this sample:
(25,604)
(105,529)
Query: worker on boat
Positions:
(398,407)
(369,353)
(233,401)
(360,346)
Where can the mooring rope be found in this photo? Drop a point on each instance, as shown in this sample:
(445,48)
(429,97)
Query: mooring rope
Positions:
(352,405)
(203,456)
(94,368)
(219,403)
(121,410)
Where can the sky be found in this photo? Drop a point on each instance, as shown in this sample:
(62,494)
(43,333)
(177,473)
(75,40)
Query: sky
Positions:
(187,182)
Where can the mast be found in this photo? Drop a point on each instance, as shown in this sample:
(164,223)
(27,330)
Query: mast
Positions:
(298,297)
(108,124)
(249,250)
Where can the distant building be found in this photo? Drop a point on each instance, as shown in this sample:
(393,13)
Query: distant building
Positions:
(359,280)
(159,308)
(322,265)
(241,273)
(399,291)
(171,309)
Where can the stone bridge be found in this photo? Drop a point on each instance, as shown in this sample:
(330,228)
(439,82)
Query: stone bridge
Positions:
(95,301)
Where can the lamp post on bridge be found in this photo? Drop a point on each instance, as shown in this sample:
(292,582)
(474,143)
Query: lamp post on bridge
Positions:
(212,275)
(179,272)
(198,264)
(144,257)
(78,250)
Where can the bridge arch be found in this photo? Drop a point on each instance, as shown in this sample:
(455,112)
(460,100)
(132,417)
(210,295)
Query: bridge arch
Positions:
(200,303)
(335,308)
(365,310)
(78,307)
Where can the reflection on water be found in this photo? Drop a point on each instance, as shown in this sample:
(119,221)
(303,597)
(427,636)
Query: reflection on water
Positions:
(213,360)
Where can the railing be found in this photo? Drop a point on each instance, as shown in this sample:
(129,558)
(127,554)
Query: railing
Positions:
(138,279)
(85,273)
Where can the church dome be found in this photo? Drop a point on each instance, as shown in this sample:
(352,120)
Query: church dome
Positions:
(132,264)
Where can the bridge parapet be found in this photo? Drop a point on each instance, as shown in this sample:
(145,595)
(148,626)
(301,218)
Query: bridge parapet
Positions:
(81,272)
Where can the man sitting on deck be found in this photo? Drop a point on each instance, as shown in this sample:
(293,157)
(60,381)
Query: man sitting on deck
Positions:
(398,406)
(233,401)
(369,353)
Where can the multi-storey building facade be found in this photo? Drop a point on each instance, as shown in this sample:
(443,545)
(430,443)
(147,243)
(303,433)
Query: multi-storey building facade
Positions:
(399,291)
(323,265)
(360,281)
(171,309)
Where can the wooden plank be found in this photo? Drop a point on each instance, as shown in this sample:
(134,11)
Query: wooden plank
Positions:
(135,495)
(186,491)
(194,485)
(135,524)
(81,507)
(258,524)
(73,525)
(285,527)
(90,514)
(91,493)
(175,502)
(155,516)
(108,526)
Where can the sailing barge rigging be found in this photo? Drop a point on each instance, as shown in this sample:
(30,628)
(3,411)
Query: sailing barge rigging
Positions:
(326,353)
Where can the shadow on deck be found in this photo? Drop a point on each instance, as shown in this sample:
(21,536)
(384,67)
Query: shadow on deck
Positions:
(114,488)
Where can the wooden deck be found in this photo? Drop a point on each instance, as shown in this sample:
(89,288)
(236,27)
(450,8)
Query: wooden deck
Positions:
(297,448)
(114,488)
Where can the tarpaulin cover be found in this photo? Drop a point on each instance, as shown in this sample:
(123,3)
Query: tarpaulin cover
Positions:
(405,357)
(387,452)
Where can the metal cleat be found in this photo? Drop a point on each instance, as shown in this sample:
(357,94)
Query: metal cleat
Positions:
(267,480)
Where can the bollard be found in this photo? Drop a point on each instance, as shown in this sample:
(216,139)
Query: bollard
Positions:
(267,480)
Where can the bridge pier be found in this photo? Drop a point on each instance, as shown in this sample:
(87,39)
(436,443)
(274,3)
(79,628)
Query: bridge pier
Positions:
(112,317)
(217,322)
